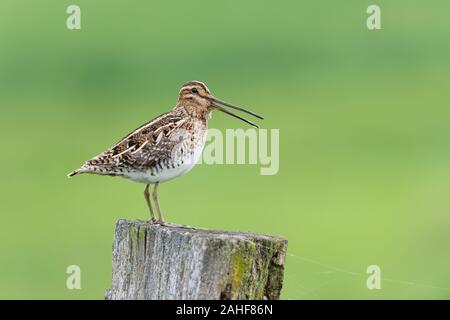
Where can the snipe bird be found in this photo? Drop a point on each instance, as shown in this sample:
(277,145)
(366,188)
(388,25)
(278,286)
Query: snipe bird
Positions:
(166,147)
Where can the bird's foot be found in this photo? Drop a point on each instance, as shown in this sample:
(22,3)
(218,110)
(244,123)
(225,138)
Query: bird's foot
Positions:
(152,221)
(160,222)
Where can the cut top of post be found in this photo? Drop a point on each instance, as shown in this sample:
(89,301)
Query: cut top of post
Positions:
(180,262)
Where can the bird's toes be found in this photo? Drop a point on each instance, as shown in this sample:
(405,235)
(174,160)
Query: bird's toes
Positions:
(161,222)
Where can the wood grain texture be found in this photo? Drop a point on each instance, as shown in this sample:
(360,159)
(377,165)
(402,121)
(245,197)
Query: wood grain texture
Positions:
(180,262)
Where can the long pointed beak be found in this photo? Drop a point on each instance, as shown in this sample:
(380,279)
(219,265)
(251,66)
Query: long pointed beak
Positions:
(218,104)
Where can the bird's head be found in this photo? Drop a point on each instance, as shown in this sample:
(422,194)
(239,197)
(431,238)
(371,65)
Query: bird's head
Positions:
(196,97)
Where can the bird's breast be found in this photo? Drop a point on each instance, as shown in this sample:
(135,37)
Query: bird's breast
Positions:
(183,157)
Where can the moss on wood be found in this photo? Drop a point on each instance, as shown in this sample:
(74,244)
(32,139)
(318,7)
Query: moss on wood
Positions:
(180,262)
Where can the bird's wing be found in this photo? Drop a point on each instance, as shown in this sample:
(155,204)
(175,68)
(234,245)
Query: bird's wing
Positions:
(145,146)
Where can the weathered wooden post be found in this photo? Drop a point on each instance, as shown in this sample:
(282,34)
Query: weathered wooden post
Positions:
(180,262)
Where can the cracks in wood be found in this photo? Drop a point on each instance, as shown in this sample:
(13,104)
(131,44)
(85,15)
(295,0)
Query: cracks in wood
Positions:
(179,262)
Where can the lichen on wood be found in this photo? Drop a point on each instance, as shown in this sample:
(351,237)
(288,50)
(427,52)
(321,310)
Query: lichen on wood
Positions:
(151,261)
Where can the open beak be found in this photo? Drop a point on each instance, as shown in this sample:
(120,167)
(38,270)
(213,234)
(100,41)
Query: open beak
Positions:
(218,104)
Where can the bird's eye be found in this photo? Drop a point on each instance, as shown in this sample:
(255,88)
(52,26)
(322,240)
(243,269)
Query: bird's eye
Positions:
(194,90)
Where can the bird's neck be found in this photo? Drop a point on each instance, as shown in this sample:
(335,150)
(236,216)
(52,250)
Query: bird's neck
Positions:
(195,112)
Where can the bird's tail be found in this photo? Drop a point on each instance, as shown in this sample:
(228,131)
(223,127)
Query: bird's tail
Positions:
(95,169)
(75,172)
(85,168)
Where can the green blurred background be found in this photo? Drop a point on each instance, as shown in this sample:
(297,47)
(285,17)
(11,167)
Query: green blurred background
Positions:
(364,125)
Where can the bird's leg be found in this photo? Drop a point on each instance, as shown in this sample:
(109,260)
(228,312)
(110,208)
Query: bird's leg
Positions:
(149,204)
(158,209)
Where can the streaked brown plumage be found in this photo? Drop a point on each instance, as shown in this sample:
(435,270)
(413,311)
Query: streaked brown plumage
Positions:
(164,148)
